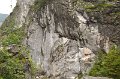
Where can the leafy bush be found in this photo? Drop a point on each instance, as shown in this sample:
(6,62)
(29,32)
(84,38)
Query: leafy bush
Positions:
(14,37)
(108,65)
(15,66)
(11,67)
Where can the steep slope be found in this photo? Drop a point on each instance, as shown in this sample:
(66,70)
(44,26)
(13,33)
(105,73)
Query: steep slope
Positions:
(63,36)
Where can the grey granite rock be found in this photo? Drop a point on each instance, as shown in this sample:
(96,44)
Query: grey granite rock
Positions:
(60,38)
(61,41)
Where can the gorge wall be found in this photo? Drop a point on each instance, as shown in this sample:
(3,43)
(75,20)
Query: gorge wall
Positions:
(62,38)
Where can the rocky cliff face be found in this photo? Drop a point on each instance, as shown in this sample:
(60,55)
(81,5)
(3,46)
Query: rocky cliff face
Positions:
(61,39)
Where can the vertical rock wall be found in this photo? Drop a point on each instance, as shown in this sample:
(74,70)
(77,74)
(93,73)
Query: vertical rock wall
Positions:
(61,41)
(60,37)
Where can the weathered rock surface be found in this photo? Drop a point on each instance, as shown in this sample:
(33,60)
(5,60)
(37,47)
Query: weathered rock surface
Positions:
(21,11)
(60,38)
(61,41)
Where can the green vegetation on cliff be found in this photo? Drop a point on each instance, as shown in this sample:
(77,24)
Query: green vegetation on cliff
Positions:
(107,13)
(11,65)
(104,11)
(15,61)
(107,65)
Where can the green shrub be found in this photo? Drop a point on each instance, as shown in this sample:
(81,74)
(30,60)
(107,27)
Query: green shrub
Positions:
(14,37)
(108,65)
(15,67)
(10,67)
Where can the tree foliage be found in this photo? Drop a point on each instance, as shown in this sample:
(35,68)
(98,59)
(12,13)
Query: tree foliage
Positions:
(12,66)
(108,65)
